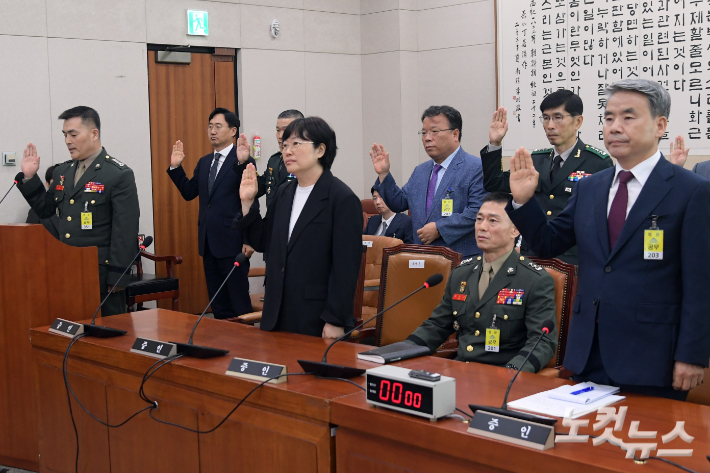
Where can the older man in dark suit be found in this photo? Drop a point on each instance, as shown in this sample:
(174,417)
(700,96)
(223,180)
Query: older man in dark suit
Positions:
(218,189)
(640,319)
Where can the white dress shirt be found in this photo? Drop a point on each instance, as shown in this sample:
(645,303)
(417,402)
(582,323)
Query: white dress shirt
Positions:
(299,201)
(388,222)
(641,173)
(222,156)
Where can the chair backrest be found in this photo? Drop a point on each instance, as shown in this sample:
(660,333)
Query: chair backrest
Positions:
(368,210)
(373,266)
(701,394)
(399,279)
(565,276)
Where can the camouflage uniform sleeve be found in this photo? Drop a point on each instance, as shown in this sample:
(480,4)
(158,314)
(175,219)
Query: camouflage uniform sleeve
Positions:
(437,328)
(124,226)
(540,308)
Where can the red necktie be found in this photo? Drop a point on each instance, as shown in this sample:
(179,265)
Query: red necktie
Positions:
(617,213)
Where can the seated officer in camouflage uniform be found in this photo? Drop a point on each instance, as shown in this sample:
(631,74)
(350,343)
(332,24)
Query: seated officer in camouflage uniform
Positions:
(502,291)
(275,173)
(560,167)
(95,198)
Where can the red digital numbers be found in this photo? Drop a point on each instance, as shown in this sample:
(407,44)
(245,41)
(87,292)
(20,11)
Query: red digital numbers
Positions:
(411,399)
(384,395)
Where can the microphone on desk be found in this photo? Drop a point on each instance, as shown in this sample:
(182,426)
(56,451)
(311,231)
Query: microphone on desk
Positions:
(20,176)
(196,351)
(328,370)
(546,328)
(100,331)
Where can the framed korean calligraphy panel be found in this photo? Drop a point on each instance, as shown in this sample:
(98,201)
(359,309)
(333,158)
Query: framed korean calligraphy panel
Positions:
(584,45)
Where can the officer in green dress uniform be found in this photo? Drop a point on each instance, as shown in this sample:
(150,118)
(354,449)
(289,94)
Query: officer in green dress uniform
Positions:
(275,173)
(95,197)
(497,303)
(560,167)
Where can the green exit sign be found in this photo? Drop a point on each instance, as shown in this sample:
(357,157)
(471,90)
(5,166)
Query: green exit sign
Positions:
(197,24)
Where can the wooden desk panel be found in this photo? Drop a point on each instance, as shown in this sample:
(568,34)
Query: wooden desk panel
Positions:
(380,440)
(284,427)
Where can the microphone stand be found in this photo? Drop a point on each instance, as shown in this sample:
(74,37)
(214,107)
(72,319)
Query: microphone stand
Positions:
(324,369)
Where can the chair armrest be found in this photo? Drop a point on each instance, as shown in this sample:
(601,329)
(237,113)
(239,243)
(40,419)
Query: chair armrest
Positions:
(246,319)
(153,257)
(257,272)
(549,372)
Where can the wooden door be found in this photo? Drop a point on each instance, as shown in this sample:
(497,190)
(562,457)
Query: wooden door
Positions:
(181,99)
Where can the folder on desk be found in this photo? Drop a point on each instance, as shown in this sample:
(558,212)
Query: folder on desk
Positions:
(395,352)
(567,393)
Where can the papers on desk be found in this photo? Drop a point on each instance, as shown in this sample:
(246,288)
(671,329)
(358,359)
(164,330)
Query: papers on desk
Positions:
(583,393)
(551,402)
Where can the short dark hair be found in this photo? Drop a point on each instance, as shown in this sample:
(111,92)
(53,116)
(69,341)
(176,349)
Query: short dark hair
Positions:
(572,102)
(497,197)
(373,190)
(230,117)
(49,173)
(315,129)
(451,114)
(293,113)
(88,115)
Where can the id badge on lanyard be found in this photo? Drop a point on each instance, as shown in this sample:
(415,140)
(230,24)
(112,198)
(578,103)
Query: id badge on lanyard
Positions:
(653,241)
(447,205)
(493,337)
(86,219)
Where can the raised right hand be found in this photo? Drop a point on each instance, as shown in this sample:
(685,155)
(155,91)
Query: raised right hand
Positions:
(380,160)
(249,187)
(178,155)
(523,176)
(30,161)
(499,127)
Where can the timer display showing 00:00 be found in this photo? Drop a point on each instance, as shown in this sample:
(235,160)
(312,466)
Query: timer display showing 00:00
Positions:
(400,394)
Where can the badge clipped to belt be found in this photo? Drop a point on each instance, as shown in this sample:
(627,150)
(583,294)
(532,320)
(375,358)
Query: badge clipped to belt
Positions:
(447,205)
(653,241)
(493,337)
(86,221)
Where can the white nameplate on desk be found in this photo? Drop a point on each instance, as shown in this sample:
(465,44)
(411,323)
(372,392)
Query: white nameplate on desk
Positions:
(257,370)
(511,430)
(66,328)
(154,348)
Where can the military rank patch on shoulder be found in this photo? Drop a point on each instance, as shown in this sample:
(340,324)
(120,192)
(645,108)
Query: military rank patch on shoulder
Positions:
(120,164)
(535,266)
(599,152)
(542,151)
(466,261)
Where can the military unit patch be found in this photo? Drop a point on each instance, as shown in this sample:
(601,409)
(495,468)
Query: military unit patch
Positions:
(542,150)
(578,176)
(510,296)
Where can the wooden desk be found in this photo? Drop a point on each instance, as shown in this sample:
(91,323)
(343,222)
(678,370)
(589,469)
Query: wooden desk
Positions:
(284,427)
(379,440)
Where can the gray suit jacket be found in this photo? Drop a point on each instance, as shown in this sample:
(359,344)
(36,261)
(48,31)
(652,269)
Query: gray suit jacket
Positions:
(703,169)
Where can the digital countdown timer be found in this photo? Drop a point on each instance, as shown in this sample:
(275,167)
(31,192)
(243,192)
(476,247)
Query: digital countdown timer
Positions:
(391,387)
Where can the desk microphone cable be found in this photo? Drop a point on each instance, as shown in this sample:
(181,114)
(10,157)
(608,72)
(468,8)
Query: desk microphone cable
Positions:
(70,394)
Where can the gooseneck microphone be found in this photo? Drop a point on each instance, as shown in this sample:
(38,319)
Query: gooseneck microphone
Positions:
(20,176)
(196,351)
(546,328)
(100,331)
(328,370)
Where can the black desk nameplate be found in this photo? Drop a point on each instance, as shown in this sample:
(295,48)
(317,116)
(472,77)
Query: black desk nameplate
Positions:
(66,328)
(257,370)
(154,348)
(511,430)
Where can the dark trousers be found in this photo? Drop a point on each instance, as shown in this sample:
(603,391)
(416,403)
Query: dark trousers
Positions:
(233,300)
(115,304)
(594,371)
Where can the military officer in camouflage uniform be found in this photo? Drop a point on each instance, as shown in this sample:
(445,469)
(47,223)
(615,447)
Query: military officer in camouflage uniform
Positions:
(95,197)
(560,167)
(275,173)
(497,303)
